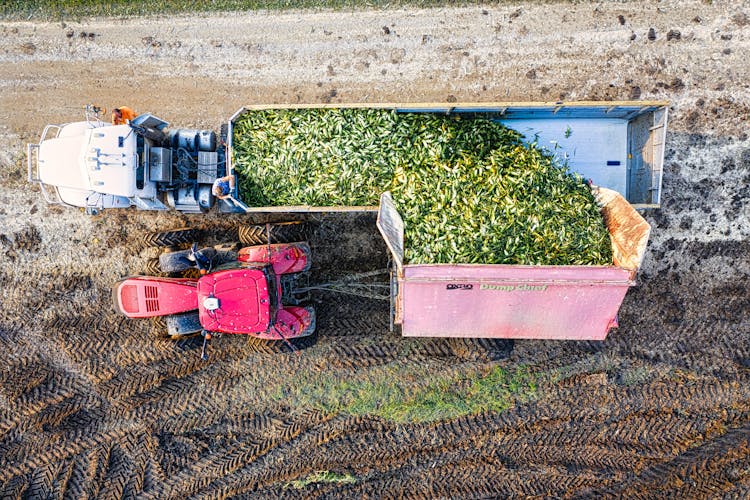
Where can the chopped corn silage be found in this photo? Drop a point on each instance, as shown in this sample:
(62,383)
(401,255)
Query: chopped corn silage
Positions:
(469,189)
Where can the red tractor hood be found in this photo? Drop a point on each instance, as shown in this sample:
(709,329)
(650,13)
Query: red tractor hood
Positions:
(145,297)
(244,302)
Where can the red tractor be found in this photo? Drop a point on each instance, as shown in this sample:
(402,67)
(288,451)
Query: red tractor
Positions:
(250,294)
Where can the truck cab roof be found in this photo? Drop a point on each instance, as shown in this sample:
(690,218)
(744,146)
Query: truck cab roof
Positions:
(91,158)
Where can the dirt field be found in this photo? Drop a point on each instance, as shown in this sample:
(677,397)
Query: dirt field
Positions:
(93,405)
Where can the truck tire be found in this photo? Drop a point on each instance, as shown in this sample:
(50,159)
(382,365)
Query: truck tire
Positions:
(280,232)
(153,268)
(171,238)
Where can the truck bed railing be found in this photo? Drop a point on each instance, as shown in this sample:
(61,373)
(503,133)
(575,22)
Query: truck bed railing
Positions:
(33,176)
(46,131)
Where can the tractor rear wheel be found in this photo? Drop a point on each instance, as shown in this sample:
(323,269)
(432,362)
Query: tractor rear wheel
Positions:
(174,262)
(171,238)
(279,232)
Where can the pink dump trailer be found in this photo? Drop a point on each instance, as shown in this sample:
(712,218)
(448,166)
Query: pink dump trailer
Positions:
(512,301)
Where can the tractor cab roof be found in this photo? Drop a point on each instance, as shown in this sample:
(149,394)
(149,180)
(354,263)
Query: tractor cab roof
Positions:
(235,301)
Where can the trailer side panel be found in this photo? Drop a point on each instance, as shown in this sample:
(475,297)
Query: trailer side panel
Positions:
(522,302)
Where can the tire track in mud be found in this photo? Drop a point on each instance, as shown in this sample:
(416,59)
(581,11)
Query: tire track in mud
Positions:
(381,468)
(226,476)
(94,349)
(399,465)
(127,464)
(301,433)
(41,481)
(202,474)
(32,293)
(114,414)
(697,334)
(523,439)
(351,316)
(361,353)
(78,412)
(78,481)
(40,404)
(699,318)
(699,472)
(234,483)
(70,444)
(467,478)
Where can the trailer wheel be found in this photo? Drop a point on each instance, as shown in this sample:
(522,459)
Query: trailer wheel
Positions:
(171,238)
(280,232)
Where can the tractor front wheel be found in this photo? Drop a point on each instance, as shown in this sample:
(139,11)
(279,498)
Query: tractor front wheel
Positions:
(175,262)
(183,325)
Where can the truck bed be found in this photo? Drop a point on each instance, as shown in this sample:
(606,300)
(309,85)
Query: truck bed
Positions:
(618,145)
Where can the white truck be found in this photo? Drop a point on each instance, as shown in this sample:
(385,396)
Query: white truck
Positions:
(95,165)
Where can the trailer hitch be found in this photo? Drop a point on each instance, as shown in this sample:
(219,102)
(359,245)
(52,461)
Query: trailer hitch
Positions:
(354,284)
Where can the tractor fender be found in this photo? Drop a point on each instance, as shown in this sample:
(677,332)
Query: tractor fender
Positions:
(284,258)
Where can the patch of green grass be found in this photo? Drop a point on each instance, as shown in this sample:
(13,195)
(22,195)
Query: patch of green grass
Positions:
(407,395)
(74,9)
(636,375)
(323,477)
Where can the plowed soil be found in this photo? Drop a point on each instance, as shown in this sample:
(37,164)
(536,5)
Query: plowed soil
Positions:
(95,405)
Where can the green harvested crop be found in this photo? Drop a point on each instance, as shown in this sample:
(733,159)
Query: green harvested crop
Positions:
(469,190)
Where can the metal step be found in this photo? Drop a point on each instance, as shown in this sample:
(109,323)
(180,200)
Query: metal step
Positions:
(230,206)
(188,208)
(149,203)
